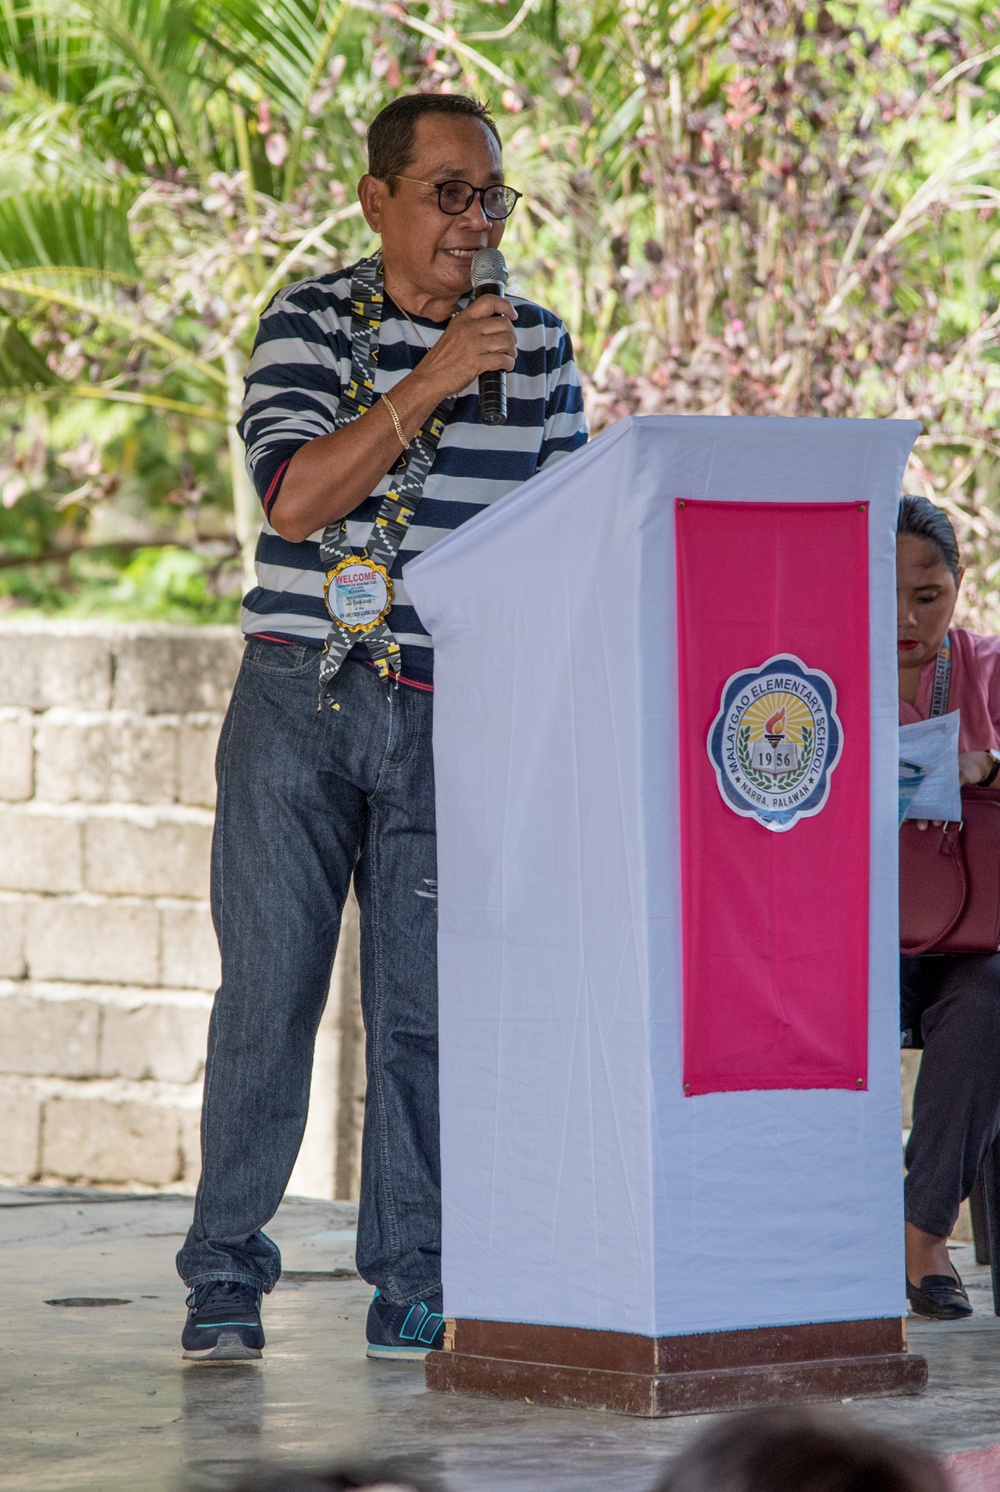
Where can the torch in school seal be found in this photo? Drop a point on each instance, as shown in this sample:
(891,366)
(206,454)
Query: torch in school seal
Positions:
(776,741)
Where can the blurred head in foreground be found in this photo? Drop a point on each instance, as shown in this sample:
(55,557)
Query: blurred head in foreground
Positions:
(357,1479)
(799,1450)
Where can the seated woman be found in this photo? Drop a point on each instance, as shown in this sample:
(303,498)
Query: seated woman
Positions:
(950,1003)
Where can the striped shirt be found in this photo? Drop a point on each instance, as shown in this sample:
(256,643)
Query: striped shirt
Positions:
(301,360)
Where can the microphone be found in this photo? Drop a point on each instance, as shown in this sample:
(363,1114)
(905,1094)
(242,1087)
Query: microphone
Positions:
(489,276)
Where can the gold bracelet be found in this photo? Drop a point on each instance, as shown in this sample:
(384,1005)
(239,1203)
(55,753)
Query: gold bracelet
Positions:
(395,420)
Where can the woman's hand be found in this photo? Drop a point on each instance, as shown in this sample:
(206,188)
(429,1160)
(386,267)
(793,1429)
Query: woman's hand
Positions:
(973,766)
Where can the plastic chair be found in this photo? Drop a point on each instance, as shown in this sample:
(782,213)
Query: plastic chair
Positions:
(984,1205)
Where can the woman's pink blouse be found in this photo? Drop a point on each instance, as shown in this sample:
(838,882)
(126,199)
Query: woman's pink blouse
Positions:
(975,690)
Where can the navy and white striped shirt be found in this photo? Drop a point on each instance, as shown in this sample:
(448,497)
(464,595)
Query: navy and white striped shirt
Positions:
(301,360)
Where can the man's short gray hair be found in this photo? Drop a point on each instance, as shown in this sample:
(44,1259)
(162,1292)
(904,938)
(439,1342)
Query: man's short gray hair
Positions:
(390,134)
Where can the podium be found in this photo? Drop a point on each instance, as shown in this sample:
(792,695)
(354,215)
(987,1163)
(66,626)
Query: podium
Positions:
(665,755)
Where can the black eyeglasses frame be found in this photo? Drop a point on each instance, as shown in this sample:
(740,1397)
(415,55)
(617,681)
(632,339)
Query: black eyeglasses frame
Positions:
(474,191)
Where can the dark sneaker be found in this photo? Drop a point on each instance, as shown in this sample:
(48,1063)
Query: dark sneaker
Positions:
(408,1331)
(223,1323)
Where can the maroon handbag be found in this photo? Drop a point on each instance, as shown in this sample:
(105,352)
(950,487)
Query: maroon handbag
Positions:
(949,880)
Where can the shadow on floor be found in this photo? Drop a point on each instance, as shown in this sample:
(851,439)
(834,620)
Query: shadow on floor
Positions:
(99,1396)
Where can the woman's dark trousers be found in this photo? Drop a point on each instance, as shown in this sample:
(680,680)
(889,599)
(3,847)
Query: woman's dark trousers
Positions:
(951,1005)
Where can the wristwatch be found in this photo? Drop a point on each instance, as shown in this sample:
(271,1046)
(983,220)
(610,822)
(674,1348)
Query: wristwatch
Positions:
(991,775)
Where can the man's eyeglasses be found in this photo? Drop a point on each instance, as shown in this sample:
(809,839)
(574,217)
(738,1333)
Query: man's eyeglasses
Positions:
(456,197)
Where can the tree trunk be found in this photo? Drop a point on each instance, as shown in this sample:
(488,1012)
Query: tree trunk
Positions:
(246,508)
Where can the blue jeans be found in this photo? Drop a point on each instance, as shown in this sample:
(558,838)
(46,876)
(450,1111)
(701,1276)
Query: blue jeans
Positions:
(306,800)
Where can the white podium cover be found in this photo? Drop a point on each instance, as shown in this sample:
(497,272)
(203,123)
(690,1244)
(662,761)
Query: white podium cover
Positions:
(580,1186)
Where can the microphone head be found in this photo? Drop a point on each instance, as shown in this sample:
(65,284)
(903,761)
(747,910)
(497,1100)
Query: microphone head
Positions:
(488,268)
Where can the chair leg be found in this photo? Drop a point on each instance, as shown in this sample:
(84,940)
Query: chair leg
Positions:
(990,1174)
(980,1225)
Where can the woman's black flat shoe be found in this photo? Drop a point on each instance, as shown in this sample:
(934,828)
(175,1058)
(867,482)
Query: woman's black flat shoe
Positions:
(939,1296)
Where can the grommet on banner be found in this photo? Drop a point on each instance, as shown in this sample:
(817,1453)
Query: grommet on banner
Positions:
(862,507)
(680,505)
(861,1082)
(687,1087)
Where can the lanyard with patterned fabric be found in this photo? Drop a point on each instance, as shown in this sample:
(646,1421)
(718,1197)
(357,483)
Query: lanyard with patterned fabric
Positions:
(358,585)
(942,679)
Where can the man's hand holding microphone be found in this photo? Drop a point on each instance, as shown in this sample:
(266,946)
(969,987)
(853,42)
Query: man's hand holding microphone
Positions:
(478,343)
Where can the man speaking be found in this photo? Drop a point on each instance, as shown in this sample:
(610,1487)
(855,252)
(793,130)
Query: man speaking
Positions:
(367,443)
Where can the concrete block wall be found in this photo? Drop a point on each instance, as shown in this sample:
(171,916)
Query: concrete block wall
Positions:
(108,958)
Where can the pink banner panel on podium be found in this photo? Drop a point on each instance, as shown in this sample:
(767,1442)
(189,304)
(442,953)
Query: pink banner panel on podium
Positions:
(773,644)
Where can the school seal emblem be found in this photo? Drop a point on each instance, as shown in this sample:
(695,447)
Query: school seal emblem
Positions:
(775,741)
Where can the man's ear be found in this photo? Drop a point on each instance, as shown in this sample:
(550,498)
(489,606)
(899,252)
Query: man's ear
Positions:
(959,578)
(371,192)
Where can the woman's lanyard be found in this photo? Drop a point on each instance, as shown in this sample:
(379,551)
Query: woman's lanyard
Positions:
(942,679)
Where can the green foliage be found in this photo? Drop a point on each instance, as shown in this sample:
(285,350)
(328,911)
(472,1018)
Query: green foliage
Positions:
(782,208)
(22,367)
(168,584)
(164,584)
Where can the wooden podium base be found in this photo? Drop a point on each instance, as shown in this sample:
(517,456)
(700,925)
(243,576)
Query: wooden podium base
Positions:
(656,1376)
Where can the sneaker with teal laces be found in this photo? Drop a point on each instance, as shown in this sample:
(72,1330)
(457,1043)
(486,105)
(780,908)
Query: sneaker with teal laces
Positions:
(223,1323)
(405,1331)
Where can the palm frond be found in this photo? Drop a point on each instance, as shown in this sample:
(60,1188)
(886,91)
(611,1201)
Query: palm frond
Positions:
(78,238)
(159,45)
(22,367)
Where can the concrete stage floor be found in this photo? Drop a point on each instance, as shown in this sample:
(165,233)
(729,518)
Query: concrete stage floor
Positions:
(99,1396)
